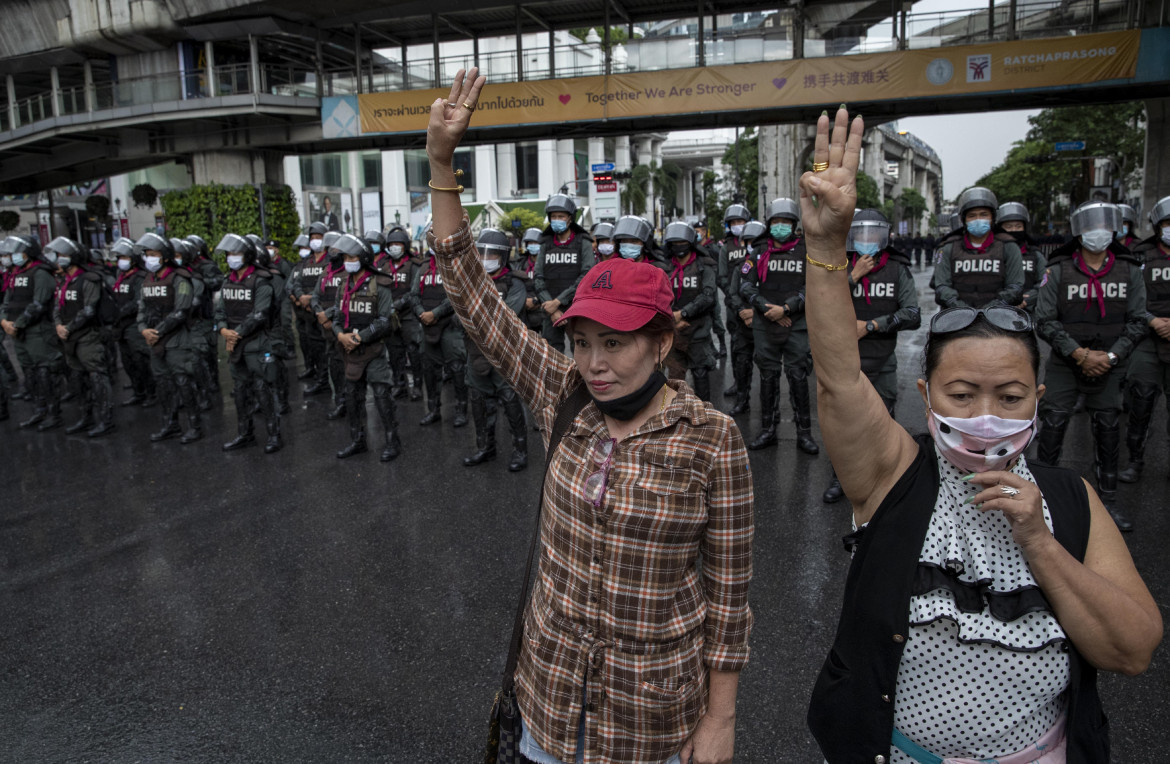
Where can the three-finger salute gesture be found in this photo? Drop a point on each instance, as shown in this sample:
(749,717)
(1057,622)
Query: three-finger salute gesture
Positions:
(450,116)
(833,183)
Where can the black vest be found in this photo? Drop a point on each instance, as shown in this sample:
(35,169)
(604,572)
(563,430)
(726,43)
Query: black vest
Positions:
(23,288)
(562,264)
(736,252)
(158,295)
(1031,276)
(74,298)
(849,714)
(431,287)
(400,279)
(876,347)
(124,291)
(978,278)
(329,288)
(239,297)
(1081,315)
(691,282)
(785,275)
(1157,278)
(311,274)
(475,356)
(363,304)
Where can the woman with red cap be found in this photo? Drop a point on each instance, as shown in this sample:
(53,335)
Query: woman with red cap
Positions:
(631,652)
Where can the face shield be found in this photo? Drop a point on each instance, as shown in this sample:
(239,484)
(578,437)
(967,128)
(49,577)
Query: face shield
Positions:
(867,237)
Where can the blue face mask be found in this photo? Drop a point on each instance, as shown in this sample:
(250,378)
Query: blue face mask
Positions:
(780,231)
(376,247)
(559,226)
(868,248)
(978,227)
(533,249)
(630,251)
(18,259)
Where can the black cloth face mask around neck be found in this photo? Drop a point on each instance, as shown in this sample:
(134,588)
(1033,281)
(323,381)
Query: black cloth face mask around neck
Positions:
(627,407)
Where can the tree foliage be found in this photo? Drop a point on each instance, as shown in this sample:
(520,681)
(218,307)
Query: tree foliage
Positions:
(744,182)
(617,35)
(868,197)
(216,209)
(9,220)
(528,218)
(912,204)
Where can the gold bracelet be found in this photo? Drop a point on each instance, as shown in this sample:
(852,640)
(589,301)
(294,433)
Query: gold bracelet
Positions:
(458,189)
(827,266)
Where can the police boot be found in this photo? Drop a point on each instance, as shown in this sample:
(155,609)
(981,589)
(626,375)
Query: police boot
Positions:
(485,430)
(211,362)
(702,379)
(103,405)
(194,431)
(244,432)
(281,389)
(32,386)
(86,394)
(397,356)
(1053,423)
(338,411)
(308,372)
(769,397)
(320,384)
(268,406)
(834,493)
(459,379)
(801,414)
(49,384)
(1107,439)
(384,403)
(73,386)
(416,374)
(742,371)
(434,393)
(1141,409)
(514,411)
(356,413)
(170,406)
(202,383)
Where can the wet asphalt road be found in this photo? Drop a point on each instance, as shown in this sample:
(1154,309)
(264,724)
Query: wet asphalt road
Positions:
(165,603)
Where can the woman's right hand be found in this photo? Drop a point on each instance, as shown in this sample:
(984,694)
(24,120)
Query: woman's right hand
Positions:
(826,223)
(450,117)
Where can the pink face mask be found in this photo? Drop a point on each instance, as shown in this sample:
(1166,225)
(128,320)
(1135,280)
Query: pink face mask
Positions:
(981,443)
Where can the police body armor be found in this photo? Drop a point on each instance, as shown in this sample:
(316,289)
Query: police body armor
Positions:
(330,287)
(877,347)
(311,274)
(1077,309)
(562,264)
(979,277)
(75,300)
(239,297)
(1157,276)
(22,288)
(475,358)
(526,272)
(124,295)
(736,253)
(1031,276)
(688,291)
(362,313)
(398,279)
(432,295)
(784,279)
(158,295)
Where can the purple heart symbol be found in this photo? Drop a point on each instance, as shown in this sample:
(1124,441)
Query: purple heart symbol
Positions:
(780,82)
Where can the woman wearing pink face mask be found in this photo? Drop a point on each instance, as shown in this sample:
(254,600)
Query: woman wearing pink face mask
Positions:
(985,590)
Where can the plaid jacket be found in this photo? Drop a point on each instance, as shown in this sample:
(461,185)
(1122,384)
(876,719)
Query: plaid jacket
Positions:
(635,601)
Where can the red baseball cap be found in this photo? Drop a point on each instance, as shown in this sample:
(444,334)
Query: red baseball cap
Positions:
(621,294)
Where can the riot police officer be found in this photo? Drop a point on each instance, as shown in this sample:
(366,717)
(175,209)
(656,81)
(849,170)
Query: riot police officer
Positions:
(306,274)
(80,306)
(164,310)
(885,302)
(525,271)
(364,317)
(718,326)
(404,343)
(301,245)
(634,237)
(442,340)
(603,244)
(692,277)
(26,316)
(1129,219)
(272,246)
(132,348)
(324,304)
(376,241)
(488,390)
(281,333)
(1149,367)
(773,285)
(1092,311)
(976,266)
(207,279)
(732,254)
(244,314)
(566,255)
(1013,219)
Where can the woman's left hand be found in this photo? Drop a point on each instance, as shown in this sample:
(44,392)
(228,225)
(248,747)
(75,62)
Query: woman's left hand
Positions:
(1024,511)
(712,743)
(450,116)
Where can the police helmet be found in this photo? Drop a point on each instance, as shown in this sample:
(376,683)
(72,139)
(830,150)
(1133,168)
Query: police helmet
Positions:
(868,227)
(1095,216)
(736,212)
(234,244)
(783,208)
(1128,215)
(1013,211)
(318,228)
(560,203)
(263,259)
(301,242)
(271,243)
(348,244)
(199,245)
(1160,212)
(633,227)
(602,231)
(755,234)
(29,245)
(494,242)
(152,242)
(329,243)
(96,256)
(257,242)
(125,247)
(399,235)
(373,237)
(678,231)
(534,234)
(975,198)
(65,248)
(183,249)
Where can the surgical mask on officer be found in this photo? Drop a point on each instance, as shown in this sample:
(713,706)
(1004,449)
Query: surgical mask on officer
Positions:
(533,248)
(51,258)
(491,264)
(235,262)
(1123,232)
(630,250)
(866,248)
(5,261)
(395,250)
(737,229)
(1096,241)
(304,251)
(353,266)
(316,244)
(1166,236)
(123,263)
(63,262)
(559,226)
(605,249)
(178,260)
(680,249)
(153,263)
(780,231)
(19,259)
(376,248)
(978,227)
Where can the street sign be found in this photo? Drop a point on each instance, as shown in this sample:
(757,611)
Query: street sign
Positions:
(604,187)
(603,167)
(1070,146)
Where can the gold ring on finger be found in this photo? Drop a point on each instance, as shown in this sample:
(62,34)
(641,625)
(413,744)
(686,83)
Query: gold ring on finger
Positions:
(468,106)
(820,166)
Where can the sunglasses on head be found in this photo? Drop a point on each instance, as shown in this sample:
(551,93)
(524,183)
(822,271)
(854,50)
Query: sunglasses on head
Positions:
(1001,316)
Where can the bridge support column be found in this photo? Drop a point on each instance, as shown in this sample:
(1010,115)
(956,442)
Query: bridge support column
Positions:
(782,150)
(11,86)
(485,174)
(546,164)
(237,168)
(566,166)
(395,194)
(1157,164)
(506,170)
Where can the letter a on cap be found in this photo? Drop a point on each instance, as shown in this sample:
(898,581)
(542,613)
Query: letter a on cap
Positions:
(603,281)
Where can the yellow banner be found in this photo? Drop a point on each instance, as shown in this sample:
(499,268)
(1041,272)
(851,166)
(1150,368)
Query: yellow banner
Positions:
(1019,65)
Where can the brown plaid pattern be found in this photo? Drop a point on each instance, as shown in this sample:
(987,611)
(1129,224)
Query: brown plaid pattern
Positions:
(635,601)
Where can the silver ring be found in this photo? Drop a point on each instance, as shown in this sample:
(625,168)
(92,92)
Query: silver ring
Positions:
(1009,491)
